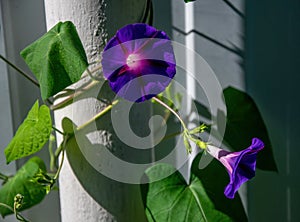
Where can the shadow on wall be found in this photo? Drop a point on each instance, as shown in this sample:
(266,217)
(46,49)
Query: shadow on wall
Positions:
(272,78)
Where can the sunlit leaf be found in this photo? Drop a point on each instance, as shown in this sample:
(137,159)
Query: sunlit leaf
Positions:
(25,182)
(32,134)
(57,59)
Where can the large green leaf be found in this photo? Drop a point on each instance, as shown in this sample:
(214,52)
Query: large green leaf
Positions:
(244,122)
(214,178)
(24,183)
(57,59)
(32,134)
(171,199)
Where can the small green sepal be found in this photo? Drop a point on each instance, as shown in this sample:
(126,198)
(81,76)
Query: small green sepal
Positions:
(198,129)
(201,144)
(187,143)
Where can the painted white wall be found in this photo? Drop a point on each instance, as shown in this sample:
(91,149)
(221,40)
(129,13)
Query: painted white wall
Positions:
(272,51)
(211,28)
(88,195)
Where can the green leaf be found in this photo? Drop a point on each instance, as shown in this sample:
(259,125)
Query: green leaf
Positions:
(186,1)
(24,183)
(32,134)
(68,126)
(171,199)
(57,59)
(244,122)
(214,178)
(202,110)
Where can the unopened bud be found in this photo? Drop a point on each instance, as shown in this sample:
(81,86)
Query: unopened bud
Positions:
(201,144)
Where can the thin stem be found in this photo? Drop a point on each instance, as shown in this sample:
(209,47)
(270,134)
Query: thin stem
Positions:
(70,98)
(192,138)
(91,75)
(27,76)
(50,102)
(60,165)
(51,154)
(62,157)
(148,13)
(56,155)
(58,151)
(3,177)
(18,216)
(57,130)
(100,114)
(171,135)
(79,91)
(169,108)
(6,206)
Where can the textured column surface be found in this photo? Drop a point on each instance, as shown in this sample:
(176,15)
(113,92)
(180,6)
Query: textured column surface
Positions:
(86,195)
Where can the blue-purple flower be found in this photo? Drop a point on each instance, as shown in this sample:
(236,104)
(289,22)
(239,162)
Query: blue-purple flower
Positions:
(239,165)
(138,62)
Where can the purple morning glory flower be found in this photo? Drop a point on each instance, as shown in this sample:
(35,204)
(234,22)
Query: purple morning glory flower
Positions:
(239,165)
(138,62)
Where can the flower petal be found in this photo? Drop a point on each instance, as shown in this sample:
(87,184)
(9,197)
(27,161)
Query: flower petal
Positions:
(138,50)
(239,165)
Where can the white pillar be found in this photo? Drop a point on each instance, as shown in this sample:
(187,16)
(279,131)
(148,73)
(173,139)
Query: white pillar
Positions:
(89,196)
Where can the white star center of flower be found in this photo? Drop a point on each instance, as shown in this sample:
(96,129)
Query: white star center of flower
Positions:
(133,60)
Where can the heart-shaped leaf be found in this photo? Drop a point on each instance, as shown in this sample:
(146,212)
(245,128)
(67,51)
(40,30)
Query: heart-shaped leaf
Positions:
(25,182)
(244,122)
(171,199)
(57,59)
(32,134)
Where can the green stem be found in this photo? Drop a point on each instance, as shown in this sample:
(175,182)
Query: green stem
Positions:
(192,138)
(60,166)
(63,145)
(90,73)
(100,114)
(57,130)
(70,98)
(27,76)
(55,156)
(18,215)
(51,154)
(6,206)
(171,135)
(3,177)
(79,91)
(175,113)
(58,151)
